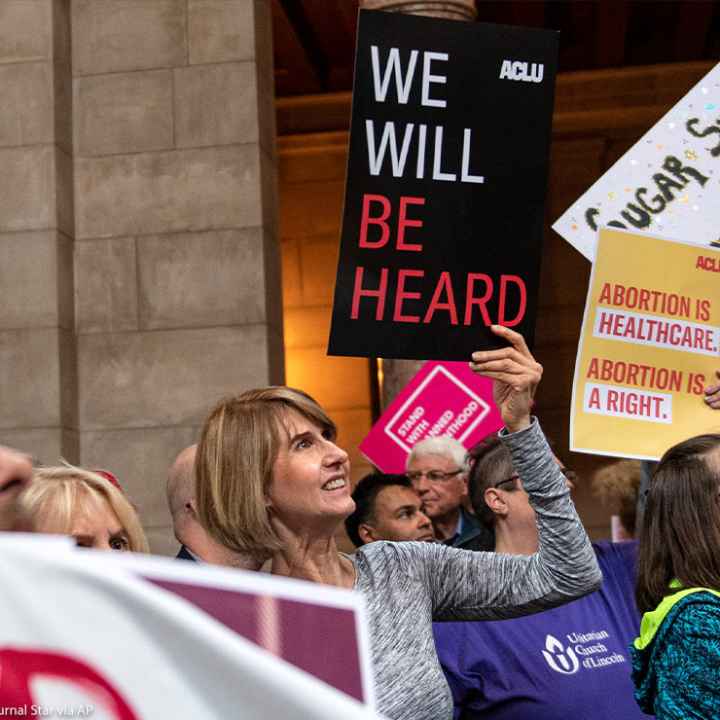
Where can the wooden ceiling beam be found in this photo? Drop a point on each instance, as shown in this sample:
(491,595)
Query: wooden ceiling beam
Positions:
(528,13)
(348,11)
(690,32)
(576,34)
(307,38)
(333,25)
(582,98)
(611,23)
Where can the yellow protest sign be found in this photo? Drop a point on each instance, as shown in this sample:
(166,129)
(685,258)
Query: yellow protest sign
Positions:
(649,345)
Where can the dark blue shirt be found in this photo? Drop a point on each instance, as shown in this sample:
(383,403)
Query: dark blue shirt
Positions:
(470,534)
(568,663)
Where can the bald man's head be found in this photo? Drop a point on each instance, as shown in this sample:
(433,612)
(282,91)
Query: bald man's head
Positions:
(187,527)
(181,484)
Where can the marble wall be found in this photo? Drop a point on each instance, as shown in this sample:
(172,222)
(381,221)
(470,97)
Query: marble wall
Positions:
(138,214)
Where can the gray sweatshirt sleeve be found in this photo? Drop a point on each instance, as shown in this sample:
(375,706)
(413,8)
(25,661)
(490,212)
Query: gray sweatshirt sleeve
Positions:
(466,585)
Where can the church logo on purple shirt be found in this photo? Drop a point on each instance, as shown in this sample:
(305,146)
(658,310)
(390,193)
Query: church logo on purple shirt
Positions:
(591,647)
(567,662)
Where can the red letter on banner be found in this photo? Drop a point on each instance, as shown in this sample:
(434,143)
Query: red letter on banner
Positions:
(403,222)
(435,304)
(504,280)
(402,295)
(380,220)
(358,292)
(471,300)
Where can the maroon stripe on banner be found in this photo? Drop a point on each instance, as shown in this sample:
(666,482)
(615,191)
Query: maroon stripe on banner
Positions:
(318,639)
(236,610)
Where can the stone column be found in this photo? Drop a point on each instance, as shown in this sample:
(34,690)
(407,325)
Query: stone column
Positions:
(38,400)
(397,373)
(177,266)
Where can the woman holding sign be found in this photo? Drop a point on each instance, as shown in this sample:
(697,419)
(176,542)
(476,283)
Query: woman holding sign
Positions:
(272,482)
(676,659)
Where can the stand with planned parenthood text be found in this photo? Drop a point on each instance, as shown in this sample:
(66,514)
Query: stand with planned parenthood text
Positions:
(442,399)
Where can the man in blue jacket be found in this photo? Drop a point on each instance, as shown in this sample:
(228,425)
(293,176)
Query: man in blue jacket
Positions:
(437,469)
(195,542)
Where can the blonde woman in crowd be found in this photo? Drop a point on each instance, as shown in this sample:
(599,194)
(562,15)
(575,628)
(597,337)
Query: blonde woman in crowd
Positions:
(272,482)
(67,500)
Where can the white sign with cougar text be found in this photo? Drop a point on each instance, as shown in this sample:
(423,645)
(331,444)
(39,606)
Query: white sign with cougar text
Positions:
(668,183)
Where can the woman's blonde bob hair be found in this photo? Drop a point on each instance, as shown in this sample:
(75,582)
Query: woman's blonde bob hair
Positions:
(59,494)
(238,447)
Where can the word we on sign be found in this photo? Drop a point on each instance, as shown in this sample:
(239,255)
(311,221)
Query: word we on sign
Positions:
(447,170)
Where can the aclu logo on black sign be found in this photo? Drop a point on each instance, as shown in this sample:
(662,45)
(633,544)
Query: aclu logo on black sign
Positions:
(522,71)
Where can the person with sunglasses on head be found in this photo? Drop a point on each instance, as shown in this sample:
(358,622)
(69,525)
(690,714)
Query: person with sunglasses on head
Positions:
(437,469)
(569,661)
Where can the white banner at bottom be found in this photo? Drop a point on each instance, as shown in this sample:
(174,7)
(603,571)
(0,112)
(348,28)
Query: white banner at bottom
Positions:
(83,636)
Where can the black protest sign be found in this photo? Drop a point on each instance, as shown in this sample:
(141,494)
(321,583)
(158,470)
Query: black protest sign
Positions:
(443,220)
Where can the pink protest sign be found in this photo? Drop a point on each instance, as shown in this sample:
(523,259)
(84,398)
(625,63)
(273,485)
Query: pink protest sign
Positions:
(444,398)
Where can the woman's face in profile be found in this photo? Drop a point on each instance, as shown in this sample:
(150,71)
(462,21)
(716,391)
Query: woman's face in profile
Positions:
(93,525)
(311,475)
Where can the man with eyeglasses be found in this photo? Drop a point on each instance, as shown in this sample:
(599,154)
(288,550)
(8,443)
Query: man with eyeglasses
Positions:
(501,503)
(437,469)
(568,662)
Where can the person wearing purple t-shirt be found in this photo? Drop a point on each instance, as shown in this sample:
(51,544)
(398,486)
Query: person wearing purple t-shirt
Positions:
(568,662)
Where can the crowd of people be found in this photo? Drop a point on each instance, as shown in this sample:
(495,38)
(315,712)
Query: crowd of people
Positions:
(484,595)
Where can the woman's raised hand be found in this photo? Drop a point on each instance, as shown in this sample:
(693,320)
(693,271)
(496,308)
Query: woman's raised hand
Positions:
(515,374)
